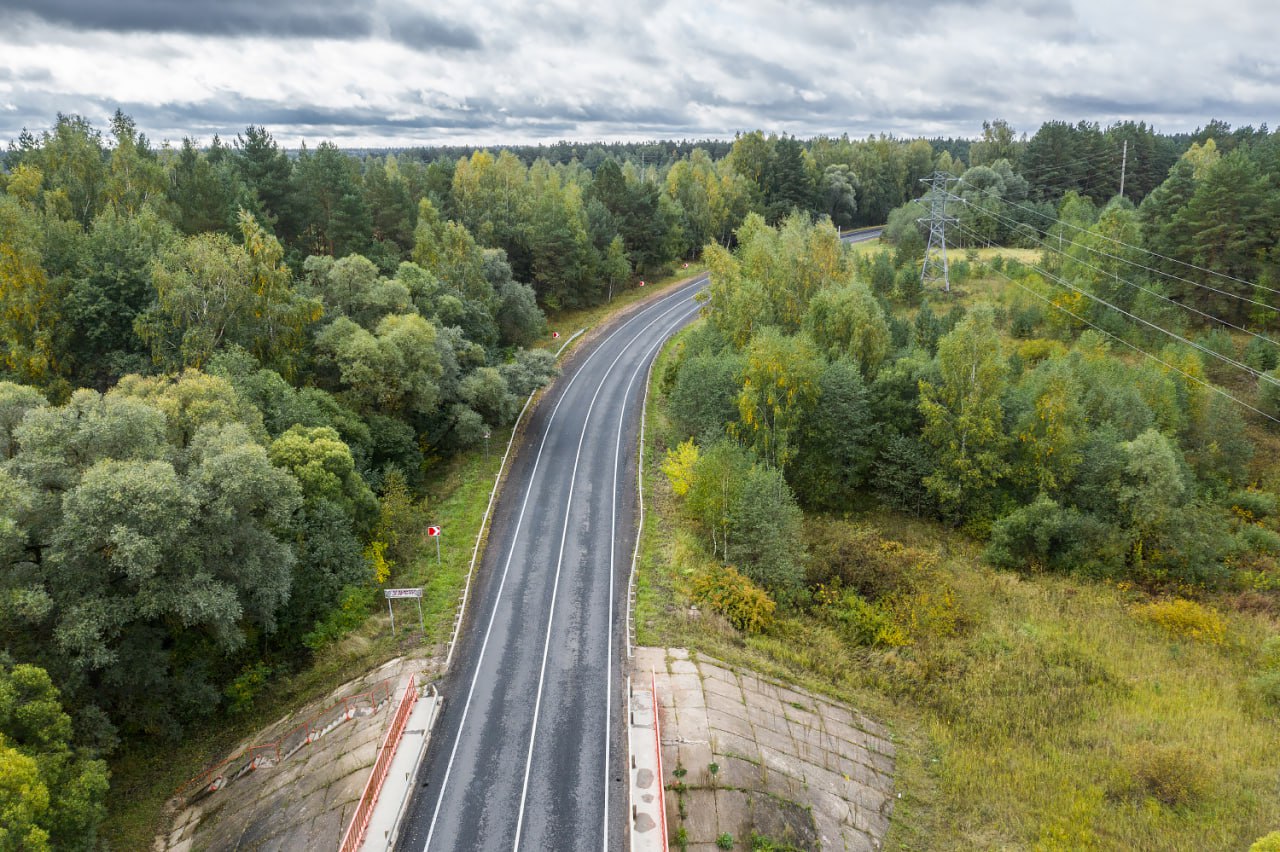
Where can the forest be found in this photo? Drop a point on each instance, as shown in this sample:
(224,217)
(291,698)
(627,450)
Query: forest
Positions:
(1091,409)
(228,369)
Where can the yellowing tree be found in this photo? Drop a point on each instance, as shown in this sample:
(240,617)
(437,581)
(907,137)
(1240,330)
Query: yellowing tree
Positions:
(779,387)
(29,300)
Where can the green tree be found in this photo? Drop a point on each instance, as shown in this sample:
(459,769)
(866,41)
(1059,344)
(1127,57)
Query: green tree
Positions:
(60,789)
(779,387)
(964,416)
(836,440)
(110,287)
(394,370)
(848,322)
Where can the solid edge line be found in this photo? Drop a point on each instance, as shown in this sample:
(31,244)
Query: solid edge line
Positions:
(510,554)
(560,563)
(488,510)
(651,356)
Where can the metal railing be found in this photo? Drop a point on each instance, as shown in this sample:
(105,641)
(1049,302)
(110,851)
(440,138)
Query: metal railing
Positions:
(369,797)
(657,741)
(484,522)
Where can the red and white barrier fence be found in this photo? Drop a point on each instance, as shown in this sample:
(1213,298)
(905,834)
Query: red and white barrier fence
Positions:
(360,820)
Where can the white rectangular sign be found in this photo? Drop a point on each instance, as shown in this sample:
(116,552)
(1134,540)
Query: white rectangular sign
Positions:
(403,593)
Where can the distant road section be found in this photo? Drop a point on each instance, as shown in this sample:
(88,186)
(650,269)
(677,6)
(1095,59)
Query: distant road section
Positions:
(529,751)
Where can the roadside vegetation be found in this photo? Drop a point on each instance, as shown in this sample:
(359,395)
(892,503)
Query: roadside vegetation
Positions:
(1047,559)
(237,381)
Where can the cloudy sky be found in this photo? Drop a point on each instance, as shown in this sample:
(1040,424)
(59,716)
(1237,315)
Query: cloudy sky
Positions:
(373,72)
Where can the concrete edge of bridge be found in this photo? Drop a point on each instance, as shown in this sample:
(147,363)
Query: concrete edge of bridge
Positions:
(397,790)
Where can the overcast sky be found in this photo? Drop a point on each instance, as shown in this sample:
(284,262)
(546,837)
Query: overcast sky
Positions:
(371,72)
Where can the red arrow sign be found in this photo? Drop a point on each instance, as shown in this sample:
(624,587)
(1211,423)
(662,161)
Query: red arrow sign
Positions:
(433,531)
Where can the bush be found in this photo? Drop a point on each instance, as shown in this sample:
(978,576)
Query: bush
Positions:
(1253,505)
(1185,619)
(1262,354)
(1269,392)
(747,606)
(1267,684)
(862,622)
(1260,539)
(1024,318)
(244,690)
(1172,775)
(724,841)
(1270,843)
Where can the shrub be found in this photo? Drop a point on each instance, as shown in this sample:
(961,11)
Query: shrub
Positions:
(1184,618)
(724,841)
(1260,539)
(679,465)
(1267,684)
(1270,843)
(1172,775)
(1024,318)
(1253,505)
(856,557)
(1269,392)
(863,622)
(747,606)
(1038,349)
(242,692)
(1262,354)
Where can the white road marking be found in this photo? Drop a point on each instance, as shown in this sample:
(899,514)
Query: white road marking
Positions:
(613,533)
(555,587)
(511,553)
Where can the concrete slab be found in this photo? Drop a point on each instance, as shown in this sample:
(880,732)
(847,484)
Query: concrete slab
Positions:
(794,766)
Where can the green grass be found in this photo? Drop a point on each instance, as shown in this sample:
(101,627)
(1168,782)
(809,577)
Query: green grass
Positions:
(1052,717)
(567,322)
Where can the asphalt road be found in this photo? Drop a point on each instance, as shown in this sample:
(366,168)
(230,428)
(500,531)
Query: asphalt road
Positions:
(529,751)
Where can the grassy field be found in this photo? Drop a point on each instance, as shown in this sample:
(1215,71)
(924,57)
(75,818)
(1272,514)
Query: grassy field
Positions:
(1031,711)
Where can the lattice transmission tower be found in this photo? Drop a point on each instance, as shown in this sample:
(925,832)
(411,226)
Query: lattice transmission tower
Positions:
(935,254)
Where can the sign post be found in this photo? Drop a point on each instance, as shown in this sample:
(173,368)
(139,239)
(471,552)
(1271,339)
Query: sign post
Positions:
(434,532)
(392,594)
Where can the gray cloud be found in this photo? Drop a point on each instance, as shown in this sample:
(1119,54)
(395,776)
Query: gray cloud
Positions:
(283,18)
(506,70)
(428,31)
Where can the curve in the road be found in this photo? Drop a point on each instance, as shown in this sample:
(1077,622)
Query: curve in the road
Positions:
(517,763)
(477,812)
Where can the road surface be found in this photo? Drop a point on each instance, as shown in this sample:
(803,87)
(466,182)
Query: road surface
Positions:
(526,753)
(529,751)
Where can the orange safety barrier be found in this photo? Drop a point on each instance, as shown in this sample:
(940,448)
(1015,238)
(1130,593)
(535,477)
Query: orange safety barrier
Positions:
(269,754)
(360,820)
(657,741)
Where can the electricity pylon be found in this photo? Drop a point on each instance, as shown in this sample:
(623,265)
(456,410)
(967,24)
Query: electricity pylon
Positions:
(935,254)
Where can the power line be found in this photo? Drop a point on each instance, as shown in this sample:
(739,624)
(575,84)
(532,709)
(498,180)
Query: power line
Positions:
(1134,263)
(1198,347)
(1127,245)
(1138,349)
(1158,295)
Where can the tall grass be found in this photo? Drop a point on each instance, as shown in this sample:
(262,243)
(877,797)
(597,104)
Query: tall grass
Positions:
(1059,714)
